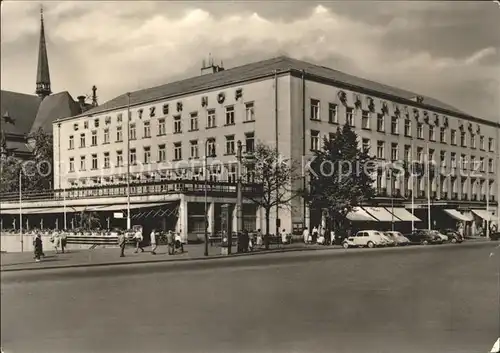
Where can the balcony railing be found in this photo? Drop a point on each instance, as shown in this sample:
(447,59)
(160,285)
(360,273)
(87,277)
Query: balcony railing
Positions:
(136,189)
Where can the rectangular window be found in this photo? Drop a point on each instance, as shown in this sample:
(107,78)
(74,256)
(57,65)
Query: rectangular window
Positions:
(94,161)
(315,109)
(314,140)
(482,164)
(394,151)
(380,123)
(82,140)
(194,148)
(249,142)
(119,134)
(463,141)
(106,159)
(453,160)
(442,135)
(473,141)
(147,129)
(420,154)
(490,144)
(177,124)
(407,153)
(420,130)
(162,130)
(211,118)
(394,125)
(194,121)
(231,173)
(380,149)
(407,127)
(472,163)
(147,155)
(230,147)
(349,118)
(432,134)
(106,135)
(490,165)
(94,138)
(132,132)
(463,162)
(71,142)
(249,112)
(431,155)
(119,158)
(481,143)
(453,137)
(332,113)
(178,151)
(162,153)
(72,164)
(133,156)
(230,115)
(82,163)
(139,113)
(211,147)
(365,145)
(443,158)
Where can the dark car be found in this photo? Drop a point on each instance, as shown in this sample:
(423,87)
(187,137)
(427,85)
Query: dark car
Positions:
(453,235)
(424,237)
(495,236)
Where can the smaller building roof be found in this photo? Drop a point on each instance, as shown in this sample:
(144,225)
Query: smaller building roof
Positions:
(53,107)
(22,110)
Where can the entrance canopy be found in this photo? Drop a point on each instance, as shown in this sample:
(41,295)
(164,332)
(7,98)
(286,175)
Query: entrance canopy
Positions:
(381,214)
(360,215)
(458,216)
(484,215)
(404,215)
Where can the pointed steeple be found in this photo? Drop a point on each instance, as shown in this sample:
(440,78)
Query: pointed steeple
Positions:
(42,75)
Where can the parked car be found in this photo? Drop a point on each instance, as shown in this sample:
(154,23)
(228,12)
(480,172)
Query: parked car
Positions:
(388,241)
(453,235)
(495,236)
(424,237)
(443,237)
(368,238)
(398,238)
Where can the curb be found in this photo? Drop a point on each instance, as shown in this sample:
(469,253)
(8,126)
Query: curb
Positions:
(232,256)
(214,257)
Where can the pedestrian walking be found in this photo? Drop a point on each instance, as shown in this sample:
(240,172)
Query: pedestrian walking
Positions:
(55,240)
(332,237)
(122,241)
(37,243)
(178,242)
(152,238)
(138,239)
(170,242)
(305,235)
(259,238)
(284,237)
(251,241)
(64,239)
(314,235)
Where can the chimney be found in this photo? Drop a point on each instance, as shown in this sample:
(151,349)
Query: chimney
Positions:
(94,96)
(81,102)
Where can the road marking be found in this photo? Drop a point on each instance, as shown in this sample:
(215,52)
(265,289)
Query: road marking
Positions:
(496,347)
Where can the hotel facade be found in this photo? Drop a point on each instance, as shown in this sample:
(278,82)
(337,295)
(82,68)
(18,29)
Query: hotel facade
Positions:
(165,133)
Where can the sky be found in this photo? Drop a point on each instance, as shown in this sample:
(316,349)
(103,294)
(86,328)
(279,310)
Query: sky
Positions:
(446,50)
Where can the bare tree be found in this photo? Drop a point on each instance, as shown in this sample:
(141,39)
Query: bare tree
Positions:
(276,175)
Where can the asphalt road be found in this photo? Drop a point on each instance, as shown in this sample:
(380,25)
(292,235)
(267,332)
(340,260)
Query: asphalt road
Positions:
(436,299)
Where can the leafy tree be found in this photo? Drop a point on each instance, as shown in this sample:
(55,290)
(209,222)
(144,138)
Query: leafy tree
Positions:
(340,176)
(41,172)
(9,174)
(276,175)
(89,220)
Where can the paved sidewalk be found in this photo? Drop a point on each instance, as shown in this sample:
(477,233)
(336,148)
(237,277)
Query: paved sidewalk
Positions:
(111,256)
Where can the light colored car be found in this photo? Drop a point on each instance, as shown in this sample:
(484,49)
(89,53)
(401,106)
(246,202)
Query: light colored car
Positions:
(368,238)
(398,238)
(443,237)
(388,240)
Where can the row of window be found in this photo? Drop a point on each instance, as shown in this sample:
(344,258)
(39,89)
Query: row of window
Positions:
(177,121)
(365,124)
(211,151)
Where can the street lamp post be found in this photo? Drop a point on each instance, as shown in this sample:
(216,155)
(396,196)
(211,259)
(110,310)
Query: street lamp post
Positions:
(21,209)
(239,197)
(206,196)
(128,162)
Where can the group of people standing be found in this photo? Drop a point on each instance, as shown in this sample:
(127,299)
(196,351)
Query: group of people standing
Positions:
(320,235)
(172,239)
(57,238)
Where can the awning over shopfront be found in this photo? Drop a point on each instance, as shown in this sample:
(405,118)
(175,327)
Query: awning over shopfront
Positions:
(484,215)
(458,216)
(381,214)
(360,215)
(123,207)
(46,210)
(404,215)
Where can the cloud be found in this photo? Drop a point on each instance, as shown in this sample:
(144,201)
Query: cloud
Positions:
(121,46)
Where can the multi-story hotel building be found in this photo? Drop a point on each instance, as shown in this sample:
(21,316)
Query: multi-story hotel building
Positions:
(166,131)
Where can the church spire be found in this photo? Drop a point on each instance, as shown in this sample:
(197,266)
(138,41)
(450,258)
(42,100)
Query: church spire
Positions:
(42,75)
